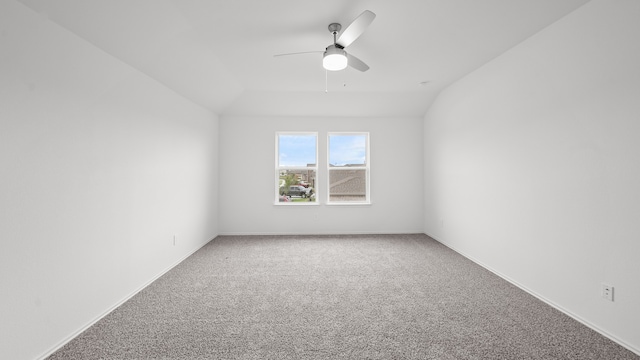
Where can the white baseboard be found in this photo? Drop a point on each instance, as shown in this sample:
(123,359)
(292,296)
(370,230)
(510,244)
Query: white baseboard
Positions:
(232,233)
(122,301)
(544,299)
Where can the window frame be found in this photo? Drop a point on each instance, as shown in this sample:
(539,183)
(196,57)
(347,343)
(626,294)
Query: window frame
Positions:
(366,167)
(279,169)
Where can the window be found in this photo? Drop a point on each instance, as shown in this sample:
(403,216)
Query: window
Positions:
(296,168)
(348,168)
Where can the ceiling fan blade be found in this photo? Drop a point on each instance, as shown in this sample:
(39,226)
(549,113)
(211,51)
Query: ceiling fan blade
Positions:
(298,53)
(356,63)
(356,28)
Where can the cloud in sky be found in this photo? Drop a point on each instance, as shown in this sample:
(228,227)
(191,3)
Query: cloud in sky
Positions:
(296,150)
(347,150)
(300,149)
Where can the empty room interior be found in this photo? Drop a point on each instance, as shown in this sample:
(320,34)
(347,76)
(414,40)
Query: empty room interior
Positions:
(136,136)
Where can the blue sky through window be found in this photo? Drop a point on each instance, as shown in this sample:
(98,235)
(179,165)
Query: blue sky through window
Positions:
(347,150)
(296,150)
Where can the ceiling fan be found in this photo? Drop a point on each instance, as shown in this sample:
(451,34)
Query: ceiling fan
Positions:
(335,57)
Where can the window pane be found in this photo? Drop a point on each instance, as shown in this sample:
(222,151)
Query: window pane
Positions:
(296,150)
(345,150)
(348,185)
(297,185)
(296,160)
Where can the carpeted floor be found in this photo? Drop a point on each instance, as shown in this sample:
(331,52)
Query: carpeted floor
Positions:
(335,297)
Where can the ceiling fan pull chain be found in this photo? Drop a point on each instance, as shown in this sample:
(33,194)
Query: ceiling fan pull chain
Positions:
(326,75)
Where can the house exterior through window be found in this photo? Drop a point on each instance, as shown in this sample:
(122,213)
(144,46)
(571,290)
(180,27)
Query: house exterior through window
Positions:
(296,168)
(348,168)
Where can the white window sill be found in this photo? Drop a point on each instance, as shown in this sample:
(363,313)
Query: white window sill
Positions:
(348,204)
(296,203)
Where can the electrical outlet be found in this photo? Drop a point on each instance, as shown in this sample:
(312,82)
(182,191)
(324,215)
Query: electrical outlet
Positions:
(607,292)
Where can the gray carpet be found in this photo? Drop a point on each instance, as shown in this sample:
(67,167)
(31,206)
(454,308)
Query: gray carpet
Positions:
(335,297)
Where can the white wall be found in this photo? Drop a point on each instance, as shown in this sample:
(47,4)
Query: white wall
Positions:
(247,175)
(100,167)
(532,166)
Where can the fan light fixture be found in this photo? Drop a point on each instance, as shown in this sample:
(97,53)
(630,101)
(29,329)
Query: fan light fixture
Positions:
(334,59)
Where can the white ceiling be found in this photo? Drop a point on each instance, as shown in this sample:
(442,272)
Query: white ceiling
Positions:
(219,54)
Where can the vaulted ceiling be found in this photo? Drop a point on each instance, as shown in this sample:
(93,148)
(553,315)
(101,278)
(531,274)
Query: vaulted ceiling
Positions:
(220,54)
